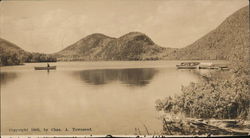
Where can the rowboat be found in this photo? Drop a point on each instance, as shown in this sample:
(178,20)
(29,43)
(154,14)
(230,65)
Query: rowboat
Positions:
(46,68)
(213,66)
(208,65)
(188,65)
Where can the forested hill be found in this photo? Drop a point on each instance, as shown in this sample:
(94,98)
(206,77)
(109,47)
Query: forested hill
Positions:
(8,47)
(132,46)
(11,54)
(229,38)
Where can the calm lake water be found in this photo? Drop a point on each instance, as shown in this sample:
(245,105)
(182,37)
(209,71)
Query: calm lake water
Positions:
(108,97)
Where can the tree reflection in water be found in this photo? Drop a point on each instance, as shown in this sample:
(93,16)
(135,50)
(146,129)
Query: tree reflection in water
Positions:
(133,76)
(6,77)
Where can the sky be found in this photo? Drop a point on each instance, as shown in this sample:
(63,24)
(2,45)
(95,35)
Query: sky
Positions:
(48,26)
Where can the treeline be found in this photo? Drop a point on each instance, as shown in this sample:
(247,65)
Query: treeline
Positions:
(40,57)
(11,59)
(15,58)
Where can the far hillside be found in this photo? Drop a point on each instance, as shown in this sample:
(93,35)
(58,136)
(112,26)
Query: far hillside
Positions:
(231,36)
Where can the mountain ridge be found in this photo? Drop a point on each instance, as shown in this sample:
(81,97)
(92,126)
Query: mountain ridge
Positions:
(219,44)
(131,46)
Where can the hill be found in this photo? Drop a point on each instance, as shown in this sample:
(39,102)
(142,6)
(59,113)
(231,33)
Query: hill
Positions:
(8,47)
(229,38)
(11,54)
(132,46)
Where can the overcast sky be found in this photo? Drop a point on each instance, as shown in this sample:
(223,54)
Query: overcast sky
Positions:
(51,25)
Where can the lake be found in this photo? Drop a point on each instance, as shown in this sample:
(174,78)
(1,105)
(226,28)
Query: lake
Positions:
(110,97)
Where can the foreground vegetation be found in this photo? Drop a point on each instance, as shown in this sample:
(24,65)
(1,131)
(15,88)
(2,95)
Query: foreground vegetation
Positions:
(217,95)
(211,98)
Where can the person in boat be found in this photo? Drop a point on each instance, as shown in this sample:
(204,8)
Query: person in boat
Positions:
(48,65)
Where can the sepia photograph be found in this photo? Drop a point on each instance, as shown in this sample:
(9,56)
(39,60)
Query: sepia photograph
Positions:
(124,68)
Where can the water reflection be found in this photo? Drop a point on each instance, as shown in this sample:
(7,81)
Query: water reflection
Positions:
(95,98)
(133,76)
(7,77)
